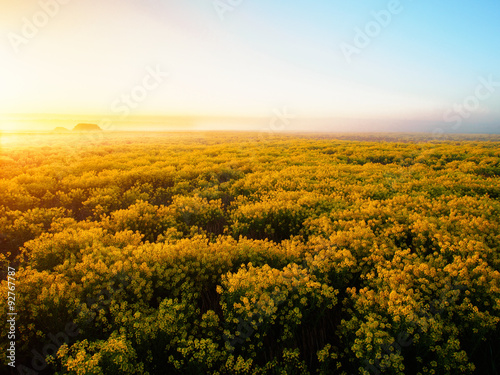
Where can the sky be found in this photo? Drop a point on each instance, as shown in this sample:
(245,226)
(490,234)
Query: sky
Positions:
(295,65)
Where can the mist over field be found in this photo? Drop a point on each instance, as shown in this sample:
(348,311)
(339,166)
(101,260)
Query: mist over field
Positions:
(231,65)
(249,187)
(290,123)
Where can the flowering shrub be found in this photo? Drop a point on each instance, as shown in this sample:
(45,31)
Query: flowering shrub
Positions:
(227,255)
(264,305)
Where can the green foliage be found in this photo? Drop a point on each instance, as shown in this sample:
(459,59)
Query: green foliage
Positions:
(228,254)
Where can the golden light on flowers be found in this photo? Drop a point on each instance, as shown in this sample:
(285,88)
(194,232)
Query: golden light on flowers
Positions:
(180,254)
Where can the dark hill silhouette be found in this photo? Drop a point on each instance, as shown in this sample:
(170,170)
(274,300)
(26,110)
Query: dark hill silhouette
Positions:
(60,129)
(86,127)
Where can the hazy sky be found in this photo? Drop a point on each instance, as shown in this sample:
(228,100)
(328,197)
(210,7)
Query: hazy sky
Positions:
(435,61)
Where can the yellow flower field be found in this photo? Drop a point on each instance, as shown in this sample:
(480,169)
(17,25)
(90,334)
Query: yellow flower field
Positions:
(229,253)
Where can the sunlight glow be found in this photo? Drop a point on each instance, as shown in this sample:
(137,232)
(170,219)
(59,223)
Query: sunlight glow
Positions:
(148,58)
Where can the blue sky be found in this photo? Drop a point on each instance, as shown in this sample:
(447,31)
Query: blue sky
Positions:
(423,60)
